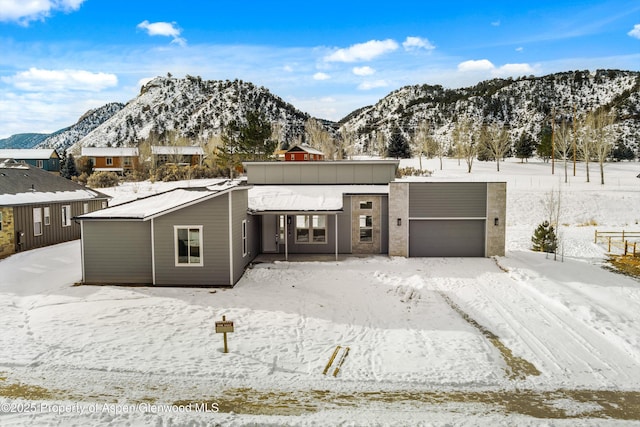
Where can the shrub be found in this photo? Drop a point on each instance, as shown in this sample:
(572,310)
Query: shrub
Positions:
(103,180)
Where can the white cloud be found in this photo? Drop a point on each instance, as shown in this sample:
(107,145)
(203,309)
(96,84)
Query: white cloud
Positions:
(413,43)
(519,49)
(288,68)
(496,23)
(321,76)
(25,11)
(363,71)
(476,65)
(635,32)
(36,79)
(167,29)
(514,70)
(363,51)
(373,84)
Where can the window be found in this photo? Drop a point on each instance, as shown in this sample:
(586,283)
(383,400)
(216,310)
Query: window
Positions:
(40,163)
(85,208)
(66,215)
(188,246)
(127,161)
(311,229)
(306,156)
(292,156)
(92,161)
(104,205)
(366,228)
(0,221)
(366,205)
(312,157)
(37,221)
(47,216)
(282,227)
(245,249)
(109,161)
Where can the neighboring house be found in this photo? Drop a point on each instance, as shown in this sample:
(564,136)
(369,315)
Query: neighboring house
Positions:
(47,159)
(112,159)
(36,207)
(207,236)
(303,153)
(179,155)
(183,237)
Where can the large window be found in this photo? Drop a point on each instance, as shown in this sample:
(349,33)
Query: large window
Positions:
(311,229)
(40,164)
(37,221)
(66,215)
(188,244)
(366,228)
(245,248)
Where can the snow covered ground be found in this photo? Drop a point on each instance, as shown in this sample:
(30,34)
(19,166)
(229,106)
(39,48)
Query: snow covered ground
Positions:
(518,340)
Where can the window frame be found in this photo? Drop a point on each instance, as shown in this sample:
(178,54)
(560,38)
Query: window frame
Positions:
(309,226)
(245,242)
(189,228)
(37,231)
(108,161)
(47,216)
(368,226)
(66,215)
(40,164)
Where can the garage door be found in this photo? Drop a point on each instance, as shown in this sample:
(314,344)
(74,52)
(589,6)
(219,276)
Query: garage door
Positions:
(446,238)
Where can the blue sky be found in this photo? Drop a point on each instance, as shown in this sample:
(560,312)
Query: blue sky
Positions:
(60,58)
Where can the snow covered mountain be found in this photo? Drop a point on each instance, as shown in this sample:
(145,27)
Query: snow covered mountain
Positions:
(64,138)
(524,105)
(194,108)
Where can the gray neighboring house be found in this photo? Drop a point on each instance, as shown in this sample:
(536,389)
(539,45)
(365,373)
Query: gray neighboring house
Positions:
(37,207)
(186,236)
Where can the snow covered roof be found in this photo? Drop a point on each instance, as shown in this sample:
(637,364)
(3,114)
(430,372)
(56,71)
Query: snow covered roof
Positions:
(21,184)
(160,204)
(109,151)
(20,154)
(176,149)
(305,148)
(305,198)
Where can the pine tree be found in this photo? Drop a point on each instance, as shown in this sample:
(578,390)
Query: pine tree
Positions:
(398,145)
(68,167)
(544,238)
(525,147)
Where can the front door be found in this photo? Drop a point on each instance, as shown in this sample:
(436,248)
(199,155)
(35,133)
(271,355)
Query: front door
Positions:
(270,233)
(365,224)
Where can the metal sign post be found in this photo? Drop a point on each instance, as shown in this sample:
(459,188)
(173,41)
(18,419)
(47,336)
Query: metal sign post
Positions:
(223,327)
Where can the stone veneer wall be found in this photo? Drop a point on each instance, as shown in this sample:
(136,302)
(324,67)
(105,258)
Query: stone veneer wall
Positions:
(496,208)
(399,209)
(7,234)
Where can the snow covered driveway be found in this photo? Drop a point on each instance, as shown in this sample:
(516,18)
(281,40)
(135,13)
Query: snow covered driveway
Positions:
(577,324)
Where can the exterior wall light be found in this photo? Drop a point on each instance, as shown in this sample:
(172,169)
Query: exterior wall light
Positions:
(399,221)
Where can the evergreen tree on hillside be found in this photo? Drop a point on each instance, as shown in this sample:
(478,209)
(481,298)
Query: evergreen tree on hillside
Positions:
(525,147)
(398,145)
(544,148)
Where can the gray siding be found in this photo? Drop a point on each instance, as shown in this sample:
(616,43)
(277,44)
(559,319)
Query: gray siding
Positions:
(384,224)
(448,200)
(323,172)
(117,252)
(213,215)
(446,238)
(239,203)
(344,227)
(54,232)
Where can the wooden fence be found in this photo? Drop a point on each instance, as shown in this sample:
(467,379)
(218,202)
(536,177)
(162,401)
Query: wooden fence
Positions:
(624,241)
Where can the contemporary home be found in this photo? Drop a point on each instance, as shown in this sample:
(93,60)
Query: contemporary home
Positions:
(112,159)
(37,207)
(47,159)
(180,155)
(303,153)
(207,236)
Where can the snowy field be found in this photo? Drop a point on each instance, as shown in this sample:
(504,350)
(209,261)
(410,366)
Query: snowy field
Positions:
(518,340)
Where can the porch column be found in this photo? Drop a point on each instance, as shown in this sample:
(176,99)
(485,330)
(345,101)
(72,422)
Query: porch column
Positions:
(336,219)
(286,237)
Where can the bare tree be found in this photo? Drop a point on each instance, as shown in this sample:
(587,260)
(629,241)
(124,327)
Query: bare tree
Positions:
(424,142)
(464,139)
(563,144)
(601,129)
(495,140)
(585,145)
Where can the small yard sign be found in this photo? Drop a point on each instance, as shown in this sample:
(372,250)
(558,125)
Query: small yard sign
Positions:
(223,327)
